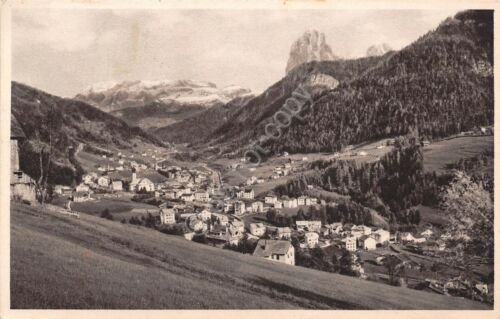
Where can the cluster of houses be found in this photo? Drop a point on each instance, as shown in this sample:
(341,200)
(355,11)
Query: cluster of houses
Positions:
(282,170)
(289,202)
(172,183)
(350,237)
(218,228)
(122,162)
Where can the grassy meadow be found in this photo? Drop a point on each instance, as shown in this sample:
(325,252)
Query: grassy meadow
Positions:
(438,154)
(92,263)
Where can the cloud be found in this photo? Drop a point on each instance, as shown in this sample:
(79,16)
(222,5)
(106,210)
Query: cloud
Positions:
(61,30)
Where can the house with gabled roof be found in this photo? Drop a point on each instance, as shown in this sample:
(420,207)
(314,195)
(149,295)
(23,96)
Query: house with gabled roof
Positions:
(276,250)
(367,242)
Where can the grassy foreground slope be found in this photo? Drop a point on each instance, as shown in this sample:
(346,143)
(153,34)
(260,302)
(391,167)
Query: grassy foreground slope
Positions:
(63,262)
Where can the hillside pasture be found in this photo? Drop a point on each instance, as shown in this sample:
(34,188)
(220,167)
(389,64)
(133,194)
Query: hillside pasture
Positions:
(438,155)
(119,208)
(95,263)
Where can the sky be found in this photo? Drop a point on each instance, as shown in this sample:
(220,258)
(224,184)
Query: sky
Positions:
(64,51)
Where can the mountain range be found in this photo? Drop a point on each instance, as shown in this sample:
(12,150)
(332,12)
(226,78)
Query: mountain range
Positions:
(115,96)
(437,86)
(155,104)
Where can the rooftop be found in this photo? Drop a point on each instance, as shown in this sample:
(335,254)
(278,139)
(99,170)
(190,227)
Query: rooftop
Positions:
(267,247)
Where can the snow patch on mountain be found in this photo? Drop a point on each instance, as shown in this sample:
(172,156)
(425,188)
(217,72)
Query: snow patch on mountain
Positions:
(112,96)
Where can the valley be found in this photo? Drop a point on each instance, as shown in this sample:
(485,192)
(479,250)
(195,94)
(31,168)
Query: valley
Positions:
(377,194)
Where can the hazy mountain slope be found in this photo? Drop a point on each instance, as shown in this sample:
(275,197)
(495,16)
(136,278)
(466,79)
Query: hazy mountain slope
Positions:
(95,263)
(118,95)
(152,104)
(159,114)
(249,121)
(197,127)
(74,122)
(439,85)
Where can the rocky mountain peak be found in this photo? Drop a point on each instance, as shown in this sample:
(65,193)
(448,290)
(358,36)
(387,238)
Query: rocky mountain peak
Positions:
(311,46)
(378,49)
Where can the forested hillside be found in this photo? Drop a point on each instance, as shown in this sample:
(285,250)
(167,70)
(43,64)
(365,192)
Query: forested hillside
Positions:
(196,128)
(249,121)
(391,186)
(64,124)
(439,85)
(157,114)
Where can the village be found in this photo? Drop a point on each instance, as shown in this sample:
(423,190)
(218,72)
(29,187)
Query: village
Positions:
(195,203)
(204,205)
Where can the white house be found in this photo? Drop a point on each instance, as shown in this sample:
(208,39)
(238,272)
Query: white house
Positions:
(407,237)
(169,193)
(201,196)
(290,202)
(410,238)
(248,194)
(350,243)
(361,230)
(103,181)
(335,227)
(283,232)
(427,233)
(89,178)
(239,207)
(117,186)
(204,215)
(236,228)
(381,236)
(367,243)
(82,188)
(81,197)
(257,229)
(138,184)
(311,239)
(167,216)
(309,225)
(278,204)
(419,240)
(301,201)
(257,207)
(187,197)
(276,250)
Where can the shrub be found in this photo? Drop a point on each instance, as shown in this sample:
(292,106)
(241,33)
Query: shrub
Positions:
(106,214)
